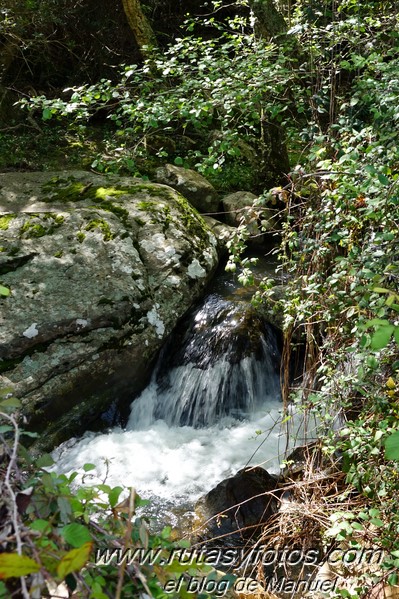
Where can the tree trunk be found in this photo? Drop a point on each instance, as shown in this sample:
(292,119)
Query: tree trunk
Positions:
(139,24)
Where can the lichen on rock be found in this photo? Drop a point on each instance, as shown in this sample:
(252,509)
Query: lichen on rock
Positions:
(100,269)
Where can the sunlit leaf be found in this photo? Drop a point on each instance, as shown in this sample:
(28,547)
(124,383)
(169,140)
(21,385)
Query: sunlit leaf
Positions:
(392,447)
(74,560)
(4,291)
(382,336)
(13,565)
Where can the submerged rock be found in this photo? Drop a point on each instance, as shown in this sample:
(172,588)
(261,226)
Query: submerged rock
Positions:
(100,270)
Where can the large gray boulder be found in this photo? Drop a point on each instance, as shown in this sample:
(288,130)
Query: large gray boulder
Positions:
(192,185)
(100,270)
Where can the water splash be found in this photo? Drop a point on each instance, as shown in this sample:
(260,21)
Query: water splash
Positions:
(216,383)
(223,360)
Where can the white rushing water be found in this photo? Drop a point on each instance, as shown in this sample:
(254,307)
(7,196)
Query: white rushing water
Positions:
(212,407)
(177,463)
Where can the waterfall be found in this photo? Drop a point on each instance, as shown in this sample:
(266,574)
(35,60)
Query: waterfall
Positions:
(222,361)
(213,405)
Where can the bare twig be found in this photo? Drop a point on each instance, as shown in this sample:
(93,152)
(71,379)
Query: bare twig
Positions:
(12,465)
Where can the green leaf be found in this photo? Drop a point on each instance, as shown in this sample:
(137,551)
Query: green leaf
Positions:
(114,495)
(13,565)
(44,461)
(382,336)
(383,179)
(11,402)
(88,467)
(376,322)
(64,506)
(392,446)
(178,161)
(30,434)
(377,522)
(40,525)
(76,534)
(5,428)
(46,114)
(74,560)
(4,291)
(166,532)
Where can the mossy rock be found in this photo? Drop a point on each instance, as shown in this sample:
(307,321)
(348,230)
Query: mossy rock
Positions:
(100,270)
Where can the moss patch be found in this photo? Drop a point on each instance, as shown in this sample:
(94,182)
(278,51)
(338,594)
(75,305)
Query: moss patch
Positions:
(116,209)
(69,190)
(194,223)
(100,223)
(5,221)
(102,193)
(65,190)
(151,190)
(159,212)
(41,224)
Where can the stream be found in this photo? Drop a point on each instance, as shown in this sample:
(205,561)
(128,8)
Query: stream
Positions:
(213,406)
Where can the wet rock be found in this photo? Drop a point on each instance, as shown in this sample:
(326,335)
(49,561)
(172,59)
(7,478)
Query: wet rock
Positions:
(100,270)
(232,365)
(236,508)
(193,186)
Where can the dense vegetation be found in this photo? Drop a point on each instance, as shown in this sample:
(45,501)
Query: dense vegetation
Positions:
(227,99)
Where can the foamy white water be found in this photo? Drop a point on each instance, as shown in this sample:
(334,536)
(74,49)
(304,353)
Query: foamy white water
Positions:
(220,373)
(177,463)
